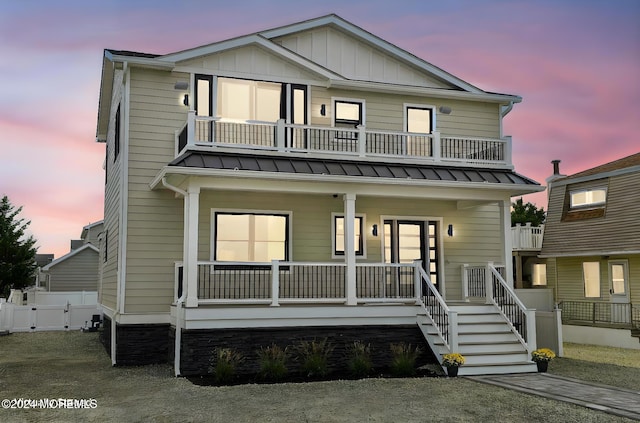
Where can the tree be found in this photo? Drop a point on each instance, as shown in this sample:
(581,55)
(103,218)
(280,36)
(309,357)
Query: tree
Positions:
(17,252)
(523,213)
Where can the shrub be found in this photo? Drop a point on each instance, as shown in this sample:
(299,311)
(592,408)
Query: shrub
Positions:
(224,364)
(359,361)
(314,357)
(273,361)
(403,362)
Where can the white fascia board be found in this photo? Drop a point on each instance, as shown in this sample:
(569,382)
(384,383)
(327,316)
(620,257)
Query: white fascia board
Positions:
(264,181)
(69,255)
(251,40)
(145,62)
(591,254)
(375,41)
(569,180)
(424,91)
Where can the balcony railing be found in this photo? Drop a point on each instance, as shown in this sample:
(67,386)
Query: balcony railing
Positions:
(295,282)
(357,142)
(527,237)
(600,313)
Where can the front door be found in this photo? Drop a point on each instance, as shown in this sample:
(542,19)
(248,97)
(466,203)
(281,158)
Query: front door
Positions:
(619,291)
(408,240)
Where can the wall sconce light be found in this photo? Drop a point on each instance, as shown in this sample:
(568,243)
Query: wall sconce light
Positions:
(445,110)
(323,110)
(374,230)
(450,230)
(181,85)
(185,100)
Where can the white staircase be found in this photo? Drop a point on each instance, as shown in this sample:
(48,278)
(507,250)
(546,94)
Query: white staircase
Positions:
(485,339)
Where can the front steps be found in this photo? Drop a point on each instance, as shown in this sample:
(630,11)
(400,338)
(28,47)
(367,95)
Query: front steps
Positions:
(485,340)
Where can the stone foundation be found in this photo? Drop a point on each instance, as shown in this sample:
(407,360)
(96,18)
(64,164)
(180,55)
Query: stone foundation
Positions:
(137,344)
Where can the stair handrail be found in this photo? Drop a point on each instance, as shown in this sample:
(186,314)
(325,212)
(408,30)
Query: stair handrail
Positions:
(444,320)
(521,319)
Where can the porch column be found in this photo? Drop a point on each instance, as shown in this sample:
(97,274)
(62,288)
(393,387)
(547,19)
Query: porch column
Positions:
(350,246)
(190,248)
(505,217)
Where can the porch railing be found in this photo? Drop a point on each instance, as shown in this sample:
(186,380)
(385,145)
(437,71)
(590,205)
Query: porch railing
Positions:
(290,282)
(444,320)
(360,141)
(527,237)
(474,280)
(600,313)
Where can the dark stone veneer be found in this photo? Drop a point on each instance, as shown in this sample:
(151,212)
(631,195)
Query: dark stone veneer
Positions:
(153,343)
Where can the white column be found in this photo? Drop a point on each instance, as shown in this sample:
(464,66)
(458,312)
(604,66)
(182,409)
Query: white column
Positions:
(505,218)
(190,251)
(191,127)
(350,246)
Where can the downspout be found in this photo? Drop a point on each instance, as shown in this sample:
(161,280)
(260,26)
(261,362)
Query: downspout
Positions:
(178,335)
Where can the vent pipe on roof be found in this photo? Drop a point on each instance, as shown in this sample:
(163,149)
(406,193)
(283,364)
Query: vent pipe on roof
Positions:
(556,173)
(556,166)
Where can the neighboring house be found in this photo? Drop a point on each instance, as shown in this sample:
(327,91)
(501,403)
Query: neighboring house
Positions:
(78,269)
(529,269)
(281,185)
(592,246)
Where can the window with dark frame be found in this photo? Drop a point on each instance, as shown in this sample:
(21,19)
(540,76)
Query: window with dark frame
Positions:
(116,147)
(348,113)
(338,235)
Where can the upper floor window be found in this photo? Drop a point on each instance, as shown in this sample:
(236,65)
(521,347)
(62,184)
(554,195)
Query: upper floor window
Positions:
(348,112)
(588,198)
(419,119)
(249,100)
(117,135)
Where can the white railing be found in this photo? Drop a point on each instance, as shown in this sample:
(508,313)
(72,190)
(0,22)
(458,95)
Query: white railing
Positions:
(281,282)
(358,142)
(527,237)
(444,320)
(474,280)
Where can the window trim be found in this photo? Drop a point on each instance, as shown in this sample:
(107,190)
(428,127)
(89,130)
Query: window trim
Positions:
(288,230)
(335,121)
(594,205)
(405,115)
(361,252)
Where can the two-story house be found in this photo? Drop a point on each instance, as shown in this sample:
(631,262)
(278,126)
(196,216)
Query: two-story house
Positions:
(311,180)
(592,246)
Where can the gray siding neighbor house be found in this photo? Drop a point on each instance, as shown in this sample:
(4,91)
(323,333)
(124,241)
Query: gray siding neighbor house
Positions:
(592,246)
(307,181)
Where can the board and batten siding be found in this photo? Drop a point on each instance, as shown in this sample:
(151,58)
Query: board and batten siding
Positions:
(618,230)
(108,260)
(155,218)
(355,59)
(386,112)
(77,273)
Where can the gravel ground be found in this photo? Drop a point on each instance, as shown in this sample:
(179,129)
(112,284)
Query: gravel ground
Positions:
(74,365)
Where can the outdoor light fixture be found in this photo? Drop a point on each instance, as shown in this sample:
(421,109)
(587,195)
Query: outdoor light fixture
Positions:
(323,110)
(450,230)
(374,230)
(181,85)
(445,110)
(185,100)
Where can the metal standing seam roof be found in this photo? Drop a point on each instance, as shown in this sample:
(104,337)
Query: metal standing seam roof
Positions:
(349,168)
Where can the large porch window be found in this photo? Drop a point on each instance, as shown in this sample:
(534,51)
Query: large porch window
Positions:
(251,237)
(338,235)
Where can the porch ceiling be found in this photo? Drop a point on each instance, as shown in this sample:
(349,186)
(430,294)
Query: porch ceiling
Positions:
(349,168)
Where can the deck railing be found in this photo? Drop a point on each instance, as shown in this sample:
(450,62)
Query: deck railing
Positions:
(360,141)
(297,282)
(526,237)
(444,320)
(600,313)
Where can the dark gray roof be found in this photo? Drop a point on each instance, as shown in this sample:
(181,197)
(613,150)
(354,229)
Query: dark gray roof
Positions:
(335,167)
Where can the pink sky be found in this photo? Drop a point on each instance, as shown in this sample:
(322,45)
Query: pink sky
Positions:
(575,63)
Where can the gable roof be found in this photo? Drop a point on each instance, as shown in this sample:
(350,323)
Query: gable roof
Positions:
(623,163)
(70,255)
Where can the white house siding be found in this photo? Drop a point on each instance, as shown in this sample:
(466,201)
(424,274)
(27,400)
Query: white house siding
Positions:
(386,112)
(355,59)
(155,218)
(77,273)
(107,289)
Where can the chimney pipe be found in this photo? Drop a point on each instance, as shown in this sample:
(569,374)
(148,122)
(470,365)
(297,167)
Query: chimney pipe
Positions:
(556,166)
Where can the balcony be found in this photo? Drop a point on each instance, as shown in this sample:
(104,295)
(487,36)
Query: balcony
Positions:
(359,143)
(526,238)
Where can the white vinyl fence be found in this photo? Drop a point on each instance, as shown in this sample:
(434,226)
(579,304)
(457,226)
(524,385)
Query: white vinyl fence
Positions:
(62,298)
(32,318)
